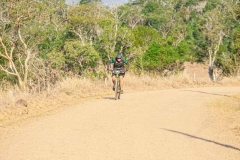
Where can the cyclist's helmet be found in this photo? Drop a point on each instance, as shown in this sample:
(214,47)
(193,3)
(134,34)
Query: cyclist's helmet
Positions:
(119,55)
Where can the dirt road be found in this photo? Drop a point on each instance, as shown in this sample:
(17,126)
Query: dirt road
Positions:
(156,125)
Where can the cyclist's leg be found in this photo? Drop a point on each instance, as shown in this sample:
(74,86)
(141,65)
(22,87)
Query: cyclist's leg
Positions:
(121,82)
(113,79)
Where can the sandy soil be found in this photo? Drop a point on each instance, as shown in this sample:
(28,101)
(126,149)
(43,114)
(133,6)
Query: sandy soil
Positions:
(168,124)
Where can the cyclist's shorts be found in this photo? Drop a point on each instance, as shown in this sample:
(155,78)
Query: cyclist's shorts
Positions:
(122,73)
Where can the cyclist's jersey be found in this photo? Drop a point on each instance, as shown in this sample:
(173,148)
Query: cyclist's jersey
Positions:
(118,65)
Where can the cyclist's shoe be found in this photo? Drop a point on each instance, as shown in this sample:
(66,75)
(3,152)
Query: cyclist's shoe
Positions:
(121,91)
(113,88)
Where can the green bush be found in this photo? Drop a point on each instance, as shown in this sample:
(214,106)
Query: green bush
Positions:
(158,57)
(79,57)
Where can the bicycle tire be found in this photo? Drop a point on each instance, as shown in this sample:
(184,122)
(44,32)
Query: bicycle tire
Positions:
(116,88)
(119,90)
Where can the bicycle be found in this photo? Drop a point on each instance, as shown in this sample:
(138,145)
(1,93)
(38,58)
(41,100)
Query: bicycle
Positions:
(117,85)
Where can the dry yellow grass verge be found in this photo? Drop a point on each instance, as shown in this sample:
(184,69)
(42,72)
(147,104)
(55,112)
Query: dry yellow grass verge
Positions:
(227,112)
(15,106)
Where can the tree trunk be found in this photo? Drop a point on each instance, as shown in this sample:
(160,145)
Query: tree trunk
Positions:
(22,85)
(212,52)
(210,65)
(210,72)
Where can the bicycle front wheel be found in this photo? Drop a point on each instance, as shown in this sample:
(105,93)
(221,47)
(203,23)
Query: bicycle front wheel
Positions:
(119,90)
(116,88)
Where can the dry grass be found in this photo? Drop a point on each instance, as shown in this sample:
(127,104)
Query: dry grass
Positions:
(227,111)
(71,91)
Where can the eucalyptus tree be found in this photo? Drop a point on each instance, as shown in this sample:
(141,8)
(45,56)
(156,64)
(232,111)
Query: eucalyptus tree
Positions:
(115,37)
(144,37)
(214,30)
(84,21)
(132,15)
(80,58)
(23,26)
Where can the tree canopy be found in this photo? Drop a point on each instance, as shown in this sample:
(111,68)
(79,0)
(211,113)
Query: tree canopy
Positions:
(38,36)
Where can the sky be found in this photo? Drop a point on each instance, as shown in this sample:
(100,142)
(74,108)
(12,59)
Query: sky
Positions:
(107,2)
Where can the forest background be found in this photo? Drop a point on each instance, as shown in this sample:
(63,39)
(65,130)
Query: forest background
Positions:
(43,42)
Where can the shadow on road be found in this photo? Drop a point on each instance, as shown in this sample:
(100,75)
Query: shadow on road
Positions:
(206,140)
(110,98)
(207,93)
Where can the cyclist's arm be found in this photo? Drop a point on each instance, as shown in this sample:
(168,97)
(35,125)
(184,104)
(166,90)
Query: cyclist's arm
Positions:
(127,64)
(127,67)
(109,63)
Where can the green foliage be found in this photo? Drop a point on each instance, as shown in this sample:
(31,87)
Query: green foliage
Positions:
(80,57)
(131,15)
(56,59)
(81,2)
(144,36)
(8,78)
(84,20)
(55,41)
(160,57)
(25,26)
(211,4)
(192,2)
(157,15)
(237,11)
(150,7)
(235,43)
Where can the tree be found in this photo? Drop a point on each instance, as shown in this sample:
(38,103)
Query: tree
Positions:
(109,35)
(22,29)
(232,66)
(80,57)
(111,32)
(159,57)
(84,21)
(81,2)
(213,29)
(131,15)
(144,37)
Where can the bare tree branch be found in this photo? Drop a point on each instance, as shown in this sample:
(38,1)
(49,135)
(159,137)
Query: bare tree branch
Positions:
(21,39)
(4,47)
(5,70)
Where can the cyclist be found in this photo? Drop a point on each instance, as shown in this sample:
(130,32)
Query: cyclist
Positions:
(118,65)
